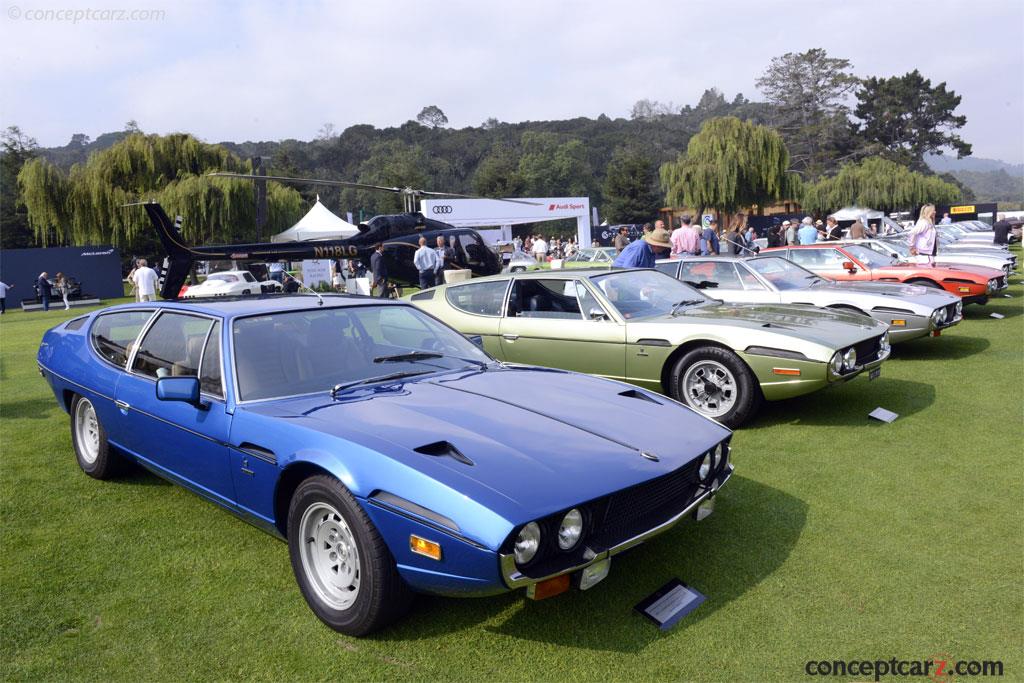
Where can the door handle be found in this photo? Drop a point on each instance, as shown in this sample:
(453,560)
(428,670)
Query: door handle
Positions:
(123,405)
(510,337)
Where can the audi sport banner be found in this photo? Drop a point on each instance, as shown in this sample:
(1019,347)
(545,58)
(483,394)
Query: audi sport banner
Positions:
(479,213)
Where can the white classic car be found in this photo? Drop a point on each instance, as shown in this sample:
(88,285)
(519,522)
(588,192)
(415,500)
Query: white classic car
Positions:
(231,283)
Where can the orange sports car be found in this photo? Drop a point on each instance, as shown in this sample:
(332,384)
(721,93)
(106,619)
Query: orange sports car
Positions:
(974,284)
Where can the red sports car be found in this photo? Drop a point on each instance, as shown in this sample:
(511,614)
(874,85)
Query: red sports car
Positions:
(974,284)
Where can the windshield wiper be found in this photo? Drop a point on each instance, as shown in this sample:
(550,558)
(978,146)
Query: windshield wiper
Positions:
(425,355)
(684,302)
(379,378)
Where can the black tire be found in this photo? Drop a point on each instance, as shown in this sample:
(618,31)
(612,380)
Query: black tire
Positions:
(742,384)
(97,459)
(925,283)
(381,595)
(246,292)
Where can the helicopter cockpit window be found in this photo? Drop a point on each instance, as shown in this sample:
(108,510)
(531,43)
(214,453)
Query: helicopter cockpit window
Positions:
(474,248)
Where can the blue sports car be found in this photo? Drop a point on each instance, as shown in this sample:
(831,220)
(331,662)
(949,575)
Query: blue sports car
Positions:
(391,453)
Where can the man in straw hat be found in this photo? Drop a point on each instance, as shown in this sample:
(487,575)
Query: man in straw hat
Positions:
(643,252)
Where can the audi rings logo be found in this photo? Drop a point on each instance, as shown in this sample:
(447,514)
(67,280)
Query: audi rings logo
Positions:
(442,208)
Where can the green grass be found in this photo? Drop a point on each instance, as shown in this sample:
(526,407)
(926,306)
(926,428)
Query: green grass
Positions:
(839,537)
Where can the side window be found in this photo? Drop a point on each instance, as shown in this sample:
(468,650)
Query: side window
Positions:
(669,267)
(588,302)
(832,259)
(172,347)
(696,272)
(545,299)
(479,298)
(209,373)
(473,247)
(808,258)
(113,335)
(247,276)
(749,280)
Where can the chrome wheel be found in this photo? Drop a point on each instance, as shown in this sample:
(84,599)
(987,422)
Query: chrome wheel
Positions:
(710,388)
(87,431)
(330,556)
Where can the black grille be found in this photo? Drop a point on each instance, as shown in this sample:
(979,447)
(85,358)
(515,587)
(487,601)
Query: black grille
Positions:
(867,350)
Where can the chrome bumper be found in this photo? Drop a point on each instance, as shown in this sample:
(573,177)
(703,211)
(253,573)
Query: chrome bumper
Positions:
(514,579)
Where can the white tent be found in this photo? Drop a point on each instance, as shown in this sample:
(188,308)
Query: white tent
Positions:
(318,224)
(852,213)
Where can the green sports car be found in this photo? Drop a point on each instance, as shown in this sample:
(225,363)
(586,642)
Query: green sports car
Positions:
(649,329)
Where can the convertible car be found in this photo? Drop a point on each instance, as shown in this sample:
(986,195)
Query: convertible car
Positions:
(391,453)
(651,330)
(908,310)
(852,262)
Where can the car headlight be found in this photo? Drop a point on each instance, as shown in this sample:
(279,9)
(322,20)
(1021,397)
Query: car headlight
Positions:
(718,453)
(527,543)
(939,316)
(884,343)
(850,359)
(705,467)
(836,364)
(959,308)
(991,286)
(570,530)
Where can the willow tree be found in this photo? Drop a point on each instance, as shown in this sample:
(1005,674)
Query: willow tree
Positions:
(880,184)
(85,205)
(730,165)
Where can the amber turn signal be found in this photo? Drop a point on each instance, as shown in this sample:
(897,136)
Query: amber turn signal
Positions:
(548,588)
(422,546)
(899,323)
(786,371)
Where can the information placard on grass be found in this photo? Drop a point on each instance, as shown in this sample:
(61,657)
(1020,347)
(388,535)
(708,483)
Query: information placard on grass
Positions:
(670,603)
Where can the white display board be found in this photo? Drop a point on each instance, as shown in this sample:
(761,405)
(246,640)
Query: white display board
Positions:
(315,272)
(479,213)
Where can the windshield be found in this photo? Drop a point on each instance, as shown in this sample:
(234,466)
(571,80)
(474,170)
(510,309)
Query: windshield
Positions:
(782,274)
(303,352)
(869,257)
(899,247)
(644,293)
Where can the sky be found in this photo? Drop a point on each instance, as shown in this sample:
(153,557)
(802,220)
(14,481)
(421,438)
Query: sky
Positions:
(275,70)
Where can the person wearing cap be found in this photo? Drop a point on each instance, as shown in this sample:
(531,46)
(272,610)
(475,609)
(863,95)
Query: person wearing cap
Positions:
(807,234)
(643,252)
(790,231)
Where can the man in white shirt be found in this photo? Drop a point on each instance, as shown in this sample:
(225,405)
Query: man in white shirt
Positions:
(3,296)
(145,279)
(540,249)
(425,260)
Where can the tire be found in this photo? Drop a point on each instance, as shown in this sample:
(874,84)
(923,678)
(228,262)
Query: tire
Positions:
(89,438)
(925,283)
(734,403)
(353,586)
(246,292)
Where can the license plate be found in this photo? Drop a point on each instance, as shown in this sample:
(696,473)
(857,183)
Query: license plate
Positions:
(595,573)
(874,374)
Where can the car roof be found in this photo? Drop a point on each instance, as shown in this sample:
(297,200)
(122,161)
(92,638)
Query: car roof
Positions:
(723,258)
(233,307)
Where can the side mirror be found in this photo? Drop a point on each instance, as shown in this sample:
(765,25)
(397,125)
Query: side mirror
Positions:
(476,339)
(848,265)
(184,389)
(597,314)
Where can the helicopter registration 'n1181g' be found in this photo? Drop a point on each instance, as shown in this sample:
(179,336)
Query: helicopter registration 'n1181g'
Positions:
(398,233)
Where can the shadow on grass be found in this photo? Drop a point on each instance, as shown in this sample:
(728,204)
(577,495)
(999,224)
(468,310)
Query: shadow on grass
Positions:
(752,532)
(133,474)
(979,314)
(847,405)
(943,348)
(35,408)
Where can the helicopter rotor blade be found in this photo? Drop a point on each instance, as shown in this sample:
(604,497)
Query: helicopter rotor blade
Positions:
(474,196)
(307,181)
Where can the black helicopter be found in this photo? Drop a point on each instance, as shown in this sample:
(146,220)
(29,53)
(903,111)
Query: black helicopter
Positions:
(399,234)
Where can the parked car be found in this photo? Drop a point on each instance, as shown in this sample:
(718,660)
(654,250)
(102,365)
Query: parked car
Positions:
(852,262)
(591,257)
(909,311)
(649,329)
(520,261)
(231,283)
(392,454)
(899,252)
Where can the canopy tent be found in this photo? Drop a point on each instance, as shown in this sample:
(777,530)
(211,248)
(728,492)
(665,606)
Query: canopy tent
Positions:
(852,213)
(318,224)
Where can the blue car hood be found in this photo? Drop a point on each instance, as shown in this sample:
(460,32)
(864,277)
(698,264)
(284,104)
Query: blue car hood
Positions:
(540,440)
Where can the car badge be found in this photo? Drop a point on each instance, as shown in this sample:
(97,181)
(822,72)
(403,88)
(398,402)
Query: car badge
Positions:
(650,456)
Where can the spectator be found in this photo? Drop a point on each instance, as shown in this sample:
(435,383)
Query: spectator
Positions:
(946,220)
(3,296)
(644,252)
(774,238)
(63,288)
(595,243)
(922,239)
(832,230)
(517,243)
(709,245)
(857,230)
(379,270)
(750,236)
(425,260)
(131,279)
(1001,230)
(445,259)
(685,239)
(540,249)
(45,289)
(337,281)
(145,279)
(291,285)
(621,240)
(789,230)
(277,271)
(807,234)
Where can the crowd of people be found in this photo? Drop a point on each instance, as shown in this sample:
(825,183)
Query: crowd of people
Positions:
(543,249)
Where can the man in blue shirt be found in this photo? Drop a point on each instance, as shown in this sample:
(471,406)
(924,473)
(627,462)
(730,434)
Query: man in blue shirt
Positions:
(643,252)
(709,245)
(807,234)
(425,260)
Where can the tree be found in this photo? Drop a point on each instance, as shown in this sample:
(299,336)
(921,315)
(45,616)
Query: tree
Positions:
(630,187)
(79,140)
(84,205)
(326,132)
(645,110)
(391,163)
(132,126)
(729,165)
(880,184)
(809,91)
(432,117)
(498,174)
(550,167)
(712,100)
(906,118)
(16,148)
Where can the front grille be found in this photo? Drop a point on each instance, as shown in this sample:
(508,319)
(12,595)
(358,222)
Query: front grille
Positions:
(867,350)
(950,315)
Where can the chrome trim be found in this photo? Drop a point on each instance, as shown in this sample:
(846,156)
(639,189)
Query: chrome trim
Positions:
(514,579)
(92,343)
(152,321)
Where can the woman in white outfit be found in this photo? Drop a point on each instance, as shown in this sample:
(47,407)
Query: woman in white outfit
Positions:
(922,236)
(63,288)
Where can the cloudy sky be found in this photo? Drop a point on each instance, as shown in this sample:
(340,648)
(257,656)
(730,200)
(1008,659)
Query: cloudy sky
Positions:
(272,70)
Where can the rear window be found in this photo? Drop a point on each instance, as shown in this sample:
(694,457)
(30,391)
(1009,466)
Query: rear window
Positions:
(479,298)
(114,334)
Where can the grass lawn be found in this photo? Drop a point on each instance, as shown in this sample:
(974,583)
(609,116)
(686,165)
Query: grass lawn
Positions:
(838,538)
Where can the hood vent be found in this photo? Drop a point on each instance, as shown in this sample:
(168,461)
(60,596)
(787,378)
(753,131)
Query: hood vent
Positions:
(633,393)
(443,448)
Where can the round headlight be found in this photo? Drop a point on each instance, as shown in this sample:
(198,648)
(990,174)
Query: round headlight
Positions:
(527,543)
(570,530)
(885,340)
(850,359)
(705,467)
(836,363)
(959,307)
(719,451)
